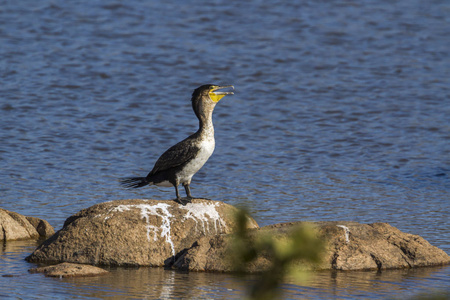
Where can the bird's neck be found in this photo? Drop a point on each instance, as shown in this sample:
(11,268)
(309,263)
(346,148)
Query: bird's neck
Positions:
(206,127)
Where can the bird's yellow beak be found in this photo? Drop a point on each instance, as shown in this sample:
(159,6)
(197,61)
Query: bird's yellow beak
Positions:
(216,96)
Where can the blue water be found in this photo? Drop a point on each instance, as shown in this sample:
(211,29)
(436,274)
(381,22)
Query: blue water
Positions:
(341,112)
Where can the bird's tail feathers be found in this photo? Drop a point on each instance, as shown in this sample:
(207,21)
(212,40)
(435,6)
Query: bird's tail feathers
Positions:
(134,182)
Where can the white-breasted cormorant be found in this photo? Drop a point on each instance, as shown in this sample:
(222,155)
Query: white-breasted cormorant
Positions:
(180,162)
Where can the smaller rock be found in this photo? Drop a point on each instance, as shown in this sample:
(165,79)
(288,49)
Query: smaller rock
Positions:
(42,226)
(69,270)
(15,226)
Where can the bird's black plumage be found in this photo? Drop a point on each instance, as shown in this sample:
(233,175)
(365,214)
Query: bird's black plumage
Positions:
(180,162)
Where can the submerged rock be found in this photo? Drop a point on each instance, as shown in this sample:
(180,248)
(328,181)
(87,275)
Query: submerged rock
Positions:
(14,226)
(69,270)
(135,232)
(349,246)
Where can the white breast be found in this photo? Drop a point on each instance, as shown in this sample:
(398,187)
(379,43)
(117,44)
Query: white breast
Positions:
(206,150)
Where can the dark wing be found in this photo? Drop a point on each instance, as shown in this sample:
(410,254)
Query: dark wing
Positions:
(176,156)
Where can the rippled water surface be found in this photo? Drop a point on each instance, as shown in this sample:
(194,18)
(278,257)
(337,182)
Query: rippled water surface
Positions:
(341,112)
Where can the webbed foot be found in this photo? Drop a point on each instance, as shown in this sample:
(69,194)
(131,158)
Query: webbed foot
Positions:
(183,201)
(180,201)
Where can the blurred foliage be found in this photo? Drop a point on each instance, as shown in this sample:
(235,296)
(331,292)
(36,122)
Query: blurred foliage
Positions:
(283,252)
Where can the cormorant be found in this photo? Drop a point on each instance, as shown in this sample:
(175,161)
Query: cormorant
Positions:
(180,162)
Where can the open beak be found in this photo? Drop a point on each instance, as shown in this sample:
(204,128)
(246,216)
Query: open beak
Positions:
(216,92)
(216,96)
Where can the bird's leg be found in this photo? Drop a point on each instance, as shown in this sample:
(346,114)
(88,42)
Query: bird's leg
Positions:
(188,192)
(178,199)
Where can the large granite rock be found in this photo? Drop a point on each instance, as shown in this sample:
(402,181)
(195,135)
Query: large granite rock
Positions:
(349,246)
(135,232)
(14,226)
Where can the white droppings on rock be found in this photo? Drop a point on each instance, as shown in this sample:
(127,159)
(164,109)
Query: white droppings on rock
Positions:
(204,212)
(161,210)
(347,233)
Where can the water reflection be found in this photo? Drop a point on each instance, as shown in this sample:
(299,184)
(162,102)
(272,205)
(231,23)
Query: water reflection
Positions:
(11,255)
(374,284)
(157,283)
